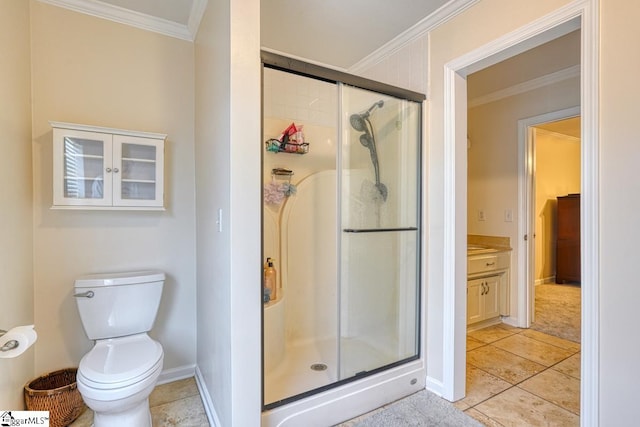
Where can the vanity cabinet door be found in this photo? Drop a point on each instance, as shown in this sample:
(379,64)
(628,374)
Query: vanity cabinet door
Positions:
(474,301)
(81,168)
(483,300)
(490,299)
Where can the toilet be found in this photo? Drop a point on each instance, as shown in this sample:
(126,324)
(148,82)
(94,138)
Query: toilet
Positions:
(116,377)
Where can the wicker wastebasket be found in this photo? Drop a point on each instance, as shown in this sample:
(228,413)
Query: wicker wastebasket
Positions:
(56,392)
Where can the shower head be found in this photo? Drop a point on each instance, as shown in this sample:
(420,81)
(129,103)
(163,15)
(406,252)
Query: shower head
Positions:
(358,120)
(366,140)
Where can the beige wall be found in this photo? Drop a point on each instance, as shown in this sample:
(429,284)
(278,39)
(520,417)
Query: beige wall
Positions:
(406,67)
(619,202)
(212,185)
(557,174)
(93,71)
(228,153)
(16,244)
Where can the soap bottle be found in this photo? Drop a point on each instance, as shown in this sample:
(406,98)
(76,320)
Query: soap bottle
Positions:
(270,279)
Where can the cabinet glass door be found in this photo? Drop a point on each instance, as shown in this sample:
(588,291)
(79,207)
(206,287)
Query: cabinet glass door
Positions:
(137,181)
(84,158)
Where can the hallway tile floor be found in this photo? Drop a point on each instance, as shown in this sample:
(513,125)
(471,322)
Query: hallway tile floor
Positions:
(521,377)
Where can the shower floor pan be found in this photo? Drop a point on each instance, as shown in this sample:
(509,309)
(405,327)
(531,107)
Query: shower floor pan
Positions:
(296,373)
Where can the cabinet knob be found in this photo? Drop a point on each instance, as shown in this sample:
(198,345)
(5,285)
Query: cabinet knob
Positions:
(116,170)
(108,170)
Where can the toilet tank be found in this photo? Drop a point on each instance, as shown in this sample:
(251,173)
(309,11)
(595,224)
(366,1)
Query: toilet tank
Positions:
(118,304)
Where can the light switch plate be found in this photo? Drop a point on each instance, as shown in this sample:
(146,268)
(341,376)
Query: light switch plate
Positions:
(508,215)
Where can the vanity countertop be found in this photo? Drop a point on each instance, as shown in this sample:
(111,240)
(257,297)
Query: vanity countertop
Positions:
(477,244)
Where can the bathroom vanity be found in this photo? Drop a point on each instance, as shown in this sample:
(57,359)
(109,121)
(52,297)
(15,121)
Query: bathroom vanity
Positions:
(487,284)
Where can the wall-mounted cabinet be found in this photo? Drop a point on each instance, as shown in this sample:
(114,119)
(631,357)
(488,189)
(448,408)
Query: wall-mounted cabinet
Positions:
(104,168)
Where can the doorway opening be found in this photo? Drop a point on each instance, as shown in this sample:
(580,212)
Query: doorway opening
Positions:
(579,16)
(498,99)
(552,290)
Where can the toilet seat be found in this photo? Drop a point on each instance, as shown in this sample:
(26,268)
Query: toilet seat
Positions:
(116,363)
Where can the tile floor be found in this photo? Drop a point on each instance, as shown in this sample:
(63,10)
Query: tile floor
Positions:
(176,404)
(519,377)
(515,377)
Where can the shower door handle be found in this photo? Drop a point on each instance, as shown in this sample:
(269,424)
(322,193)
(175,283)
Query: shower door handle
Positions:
(378,230)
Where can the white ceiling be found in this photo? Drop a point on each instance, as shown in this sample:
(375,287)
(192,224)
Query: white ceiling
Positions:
(555,56)
(338,32)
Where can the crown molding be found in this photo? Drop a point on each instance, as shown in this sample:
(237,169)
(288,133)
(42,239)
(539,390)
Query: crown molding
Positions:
(198,8)
(439,17)
(136,19)
(527,86)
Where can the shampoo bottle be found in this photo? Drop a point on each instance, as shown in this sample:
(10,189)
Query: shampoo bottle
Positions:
(270,279)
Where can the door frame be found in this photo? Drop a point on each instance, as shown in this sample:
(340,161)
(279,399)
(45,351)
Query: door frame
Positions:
(526,206)
(576,14)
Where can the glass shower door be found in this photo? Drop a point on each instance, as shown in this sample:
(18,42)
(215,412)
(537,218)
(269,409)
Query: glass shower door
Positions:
(379,223)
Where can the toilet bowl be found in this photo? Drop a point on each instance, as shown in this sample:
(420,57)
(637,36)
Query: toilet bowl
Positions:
(116,377)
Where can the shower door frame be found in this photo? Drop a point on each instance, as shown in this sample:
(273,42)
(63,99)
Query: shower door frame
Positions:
(340,79)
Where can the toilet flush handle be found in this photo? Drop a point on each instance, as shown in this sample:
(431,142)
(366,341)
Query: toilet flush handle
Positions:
(88,294)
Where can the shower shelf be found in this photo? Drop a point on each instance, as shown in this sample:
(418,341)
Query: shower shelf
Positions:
(275,146)
(281,172)
(378,230)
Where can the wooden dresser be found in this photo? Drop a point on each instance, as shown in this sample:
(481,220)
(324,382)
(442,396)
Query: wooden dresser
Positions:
(568,241)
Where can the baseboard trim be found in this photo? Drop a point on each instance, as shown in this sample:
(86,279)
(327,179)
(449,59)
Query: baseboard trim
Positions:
(545,281)
(434,386)
(209,409)
(175,374)
(511,321)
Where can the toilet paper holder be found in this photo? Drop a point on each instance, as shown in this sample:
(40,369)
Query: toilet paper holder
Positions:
(9,345)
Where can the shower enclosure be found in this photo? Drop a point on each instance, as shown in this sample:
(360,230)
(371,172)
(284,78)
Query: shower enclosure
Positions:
(341,226)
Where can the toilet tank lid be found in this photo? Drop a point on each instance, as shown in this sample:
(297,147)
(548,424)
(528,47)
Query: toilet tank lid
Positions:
(123,278)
